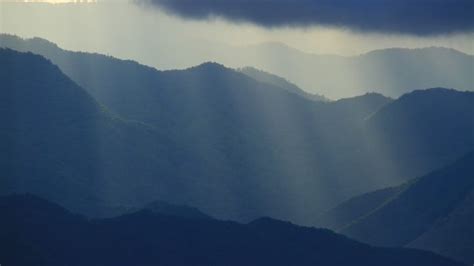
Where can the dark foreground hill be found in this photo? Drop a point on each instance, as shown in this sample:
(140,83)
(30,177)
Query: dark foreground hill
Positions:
(433,212)
(36,232)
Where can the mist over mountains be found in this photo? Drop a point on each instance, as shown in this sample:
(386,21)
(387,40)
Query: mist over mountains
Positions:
(391,72)
(275,80)
(225,135)
(107,138)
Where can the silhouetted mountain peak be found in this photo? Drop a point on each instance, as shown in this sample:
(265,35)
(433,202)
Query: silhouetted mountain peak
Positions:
(23,44)
(367,104)
(10,54)
(7,36)
(428,102)
(48,89)
(209,66)
(433,92)
(370,96)
(41,41)
(419,51)
(183,211)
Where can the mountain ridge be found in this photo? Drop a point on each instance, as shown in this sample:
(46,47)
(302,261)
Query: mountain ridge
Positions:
(391,71)
(153,238)
(329,75)
(430,212)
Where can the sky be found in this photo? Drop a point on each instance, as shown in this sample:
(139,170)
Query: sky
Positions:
(182,33)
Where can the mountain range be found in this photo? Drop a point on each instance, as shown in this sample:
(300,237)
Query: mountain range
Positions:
(236,147)
(131,148)
(232,150)
(34,231)
(392,72)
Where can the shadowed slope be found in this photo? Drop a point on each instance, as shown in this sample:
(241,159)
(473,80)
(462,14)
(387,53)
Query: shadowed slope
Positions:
(58,142)
(34,231)
(415,210)
(266,77)
(422,129)
(453,235)
(433,212)
(356,208)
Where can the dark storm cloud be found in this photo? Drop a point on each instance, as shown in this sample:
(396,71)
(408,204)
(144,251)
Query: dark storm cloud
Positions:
(419,17)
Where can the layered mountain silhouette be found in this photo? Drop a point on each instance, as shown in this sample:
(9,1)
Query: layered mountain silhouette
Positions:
(239,148)
(239,142)
(37,232)
(433,212)
(183,211)
(112,138)
(391,72)
(160,207)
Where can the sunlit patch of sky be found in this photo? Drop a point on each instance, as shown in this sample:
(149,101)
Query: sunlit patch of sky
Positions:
(54,1)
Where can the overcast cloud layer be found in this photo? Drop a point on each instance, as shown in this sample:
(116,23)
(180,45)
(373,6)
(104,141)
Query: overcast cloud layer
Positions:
(416,17)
